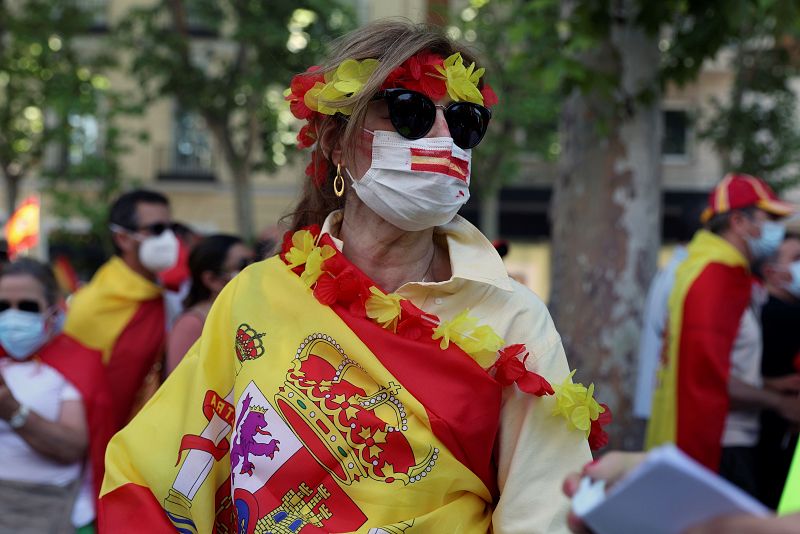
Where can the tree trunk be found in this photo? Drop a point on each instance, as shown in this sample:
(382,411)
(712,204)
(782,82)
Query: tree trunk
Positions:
(243,204)
(606,213)
(490,213)
(12,192)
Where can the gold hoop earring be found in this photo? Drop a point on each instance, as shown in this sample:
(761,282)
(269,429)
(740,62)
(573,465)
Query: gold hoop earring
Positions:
(338,182)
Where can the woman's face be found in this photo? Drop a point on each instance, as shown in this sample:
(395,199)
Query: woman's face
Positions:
(239,256)
(22,291)
(377,118)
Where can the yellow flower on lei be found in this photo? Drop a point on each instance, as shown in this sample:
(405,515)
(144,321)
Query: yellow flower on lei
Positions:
(316,258)
(384,309)
(347,80)
(482,343)
(302,245)
(462,82)
(453,329)
(575,402)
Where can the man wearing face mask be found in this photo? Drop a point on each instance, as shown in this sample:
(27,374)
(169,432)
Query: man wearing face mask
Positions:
(709,389)
(121,310)
(780,316)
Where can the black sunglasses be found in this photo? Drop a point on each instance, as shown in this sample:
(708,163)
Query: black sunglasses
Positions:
(157,228)
(413,115)
(22,305)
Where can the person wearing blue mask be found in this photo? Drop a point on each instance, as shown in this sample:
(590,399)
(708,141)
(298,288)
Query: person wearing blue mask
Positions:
(54,409)
(780,316)
(710,391)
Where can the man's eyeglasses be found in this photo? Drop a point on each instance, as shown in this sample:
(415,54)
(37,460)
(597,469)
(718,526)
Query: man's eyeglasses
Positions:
(152,229)
(21,305)
(157,228)
(414,114)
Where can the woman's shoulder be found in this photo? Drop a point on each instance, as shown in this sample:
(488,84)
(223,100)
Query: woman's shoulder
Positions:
(528,320)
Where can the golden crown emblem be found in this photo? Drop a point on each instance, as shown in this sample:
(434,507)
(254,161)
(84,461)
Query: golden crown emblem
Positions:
(352,425)
(259,409)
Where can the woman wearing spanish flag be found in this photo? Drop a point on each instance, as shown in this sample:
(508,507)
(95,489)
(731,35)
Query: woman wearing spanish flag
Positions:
(383,373)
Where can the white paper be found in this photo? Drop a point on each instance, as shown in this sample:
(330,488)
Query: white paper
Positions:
(666,494)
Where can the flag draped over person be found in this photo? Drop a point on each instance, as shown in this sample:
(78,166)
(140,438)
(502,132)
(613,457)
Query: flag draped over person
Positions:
(121,314)
(376,412)
(691,403)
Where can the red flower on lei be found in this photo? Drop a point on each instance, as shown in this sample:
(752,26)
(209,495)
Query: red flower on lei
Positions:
(318,169)
(598,438)
(510,368)
(301,83)
(418,73)
(489,96)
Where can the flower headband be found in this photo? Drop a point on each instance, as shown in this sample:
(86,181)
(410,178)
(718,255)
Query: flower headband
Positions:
(311,93)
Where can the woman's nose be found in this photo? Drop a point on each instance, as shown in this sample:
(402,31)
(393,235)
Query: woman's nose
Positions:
(440,128)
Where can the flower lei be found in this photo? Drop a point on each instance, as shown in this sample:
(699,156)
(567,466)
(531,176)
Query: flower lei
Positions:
(313,94)
(334,280)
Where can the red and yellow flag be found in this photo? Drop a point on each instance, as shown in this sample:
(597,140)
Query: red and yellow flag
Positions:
(292,416)
(712,289)
(121,314)
(22,228)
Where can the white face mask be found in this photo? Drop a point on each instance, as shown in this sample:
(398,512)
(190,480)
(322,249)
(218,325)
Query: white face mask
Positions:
(160,252)
(415,184)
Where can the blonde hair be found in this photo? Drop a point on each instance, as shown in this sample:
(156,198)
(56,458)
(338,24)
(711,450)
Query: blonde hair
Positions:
(391,42)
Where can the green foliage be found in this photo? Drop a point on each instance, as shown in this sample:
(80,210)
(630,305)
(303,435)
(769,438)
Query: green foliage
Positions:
(516,40)
(230,61)
(539,51)
(756,130)
(42,79)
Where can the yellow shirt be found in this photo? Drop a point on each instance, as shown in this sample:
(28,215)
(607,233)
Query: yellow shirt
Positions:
(536,449)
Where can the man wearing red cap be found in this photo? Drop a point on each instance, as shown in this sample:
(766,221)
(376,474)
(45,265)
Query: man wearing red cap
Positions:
(709,389)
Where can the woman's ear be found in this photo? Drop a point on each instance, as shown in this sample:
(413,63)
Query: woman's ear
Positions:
(330,142)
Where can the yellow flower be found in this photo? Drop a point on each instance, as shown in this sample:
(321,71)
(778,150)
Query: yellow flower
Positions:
(575,402)
(482,343)
(462,82)
(347,80)
(316,258)
(453,329)
(302,245)
(384,309)
(351,75)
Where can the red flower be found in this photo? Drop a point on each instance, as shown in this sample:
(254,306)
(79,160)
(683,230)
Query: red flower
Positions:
(307,135)
(598,438)
(511,369)
(415,325)
(343,288)
(418,73)
(489,96)
(318,169)
(300,85)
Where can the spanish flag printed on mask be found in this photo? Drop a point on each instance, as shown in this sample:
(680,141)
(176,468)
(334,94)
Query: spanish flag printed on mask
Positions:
(289,415)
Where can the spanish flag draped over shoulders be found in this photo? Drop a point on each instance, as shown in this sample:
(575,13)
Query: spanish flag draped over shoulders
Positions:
(120,314)
(289,415)
(712,290)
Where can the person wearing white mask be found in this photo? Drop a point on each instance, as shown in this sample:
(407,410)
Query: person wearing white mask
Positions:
(710,392)
(121,311)
(418,392)
(53,410)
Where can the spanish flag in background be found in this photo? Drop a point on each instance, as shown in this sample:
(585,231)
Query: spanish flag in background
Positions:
(121,314)
(712,290)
